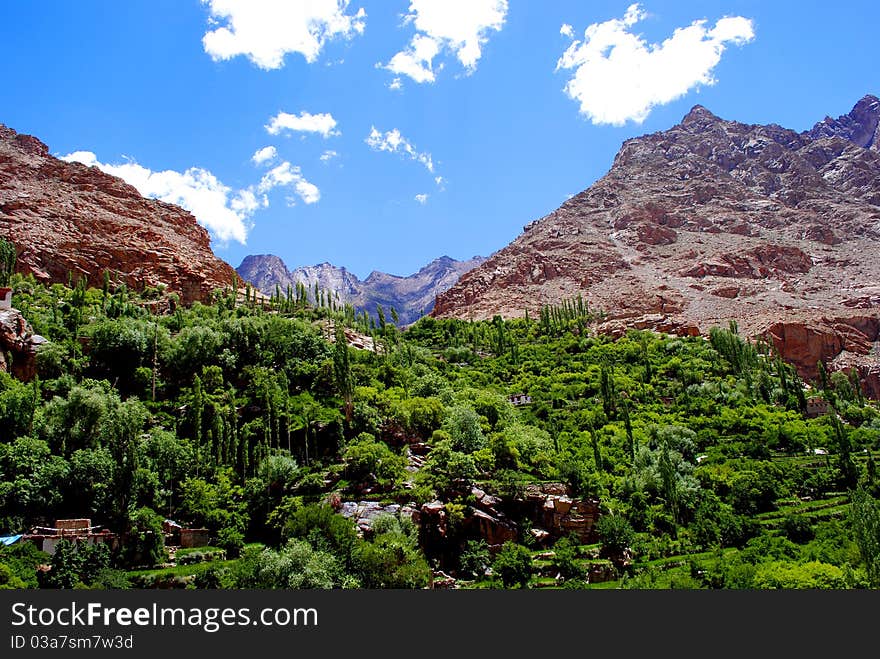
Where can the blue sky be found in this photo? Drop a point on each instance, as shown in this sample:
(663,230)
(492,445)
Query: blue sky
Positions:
(410,129)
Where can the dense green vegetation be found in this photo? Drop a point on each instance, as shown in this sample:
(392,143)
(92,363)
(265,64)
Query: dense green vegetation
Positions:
(251,416)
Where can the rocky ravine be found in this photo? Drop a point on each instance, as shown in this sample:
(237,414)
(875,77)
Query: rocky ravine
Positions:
(712,221)
(70,218)
(411,296)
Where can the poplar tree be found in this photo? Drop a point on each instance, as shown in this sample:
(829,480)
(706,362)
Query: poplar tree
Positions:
(864,516)
(7,261)
(342,370)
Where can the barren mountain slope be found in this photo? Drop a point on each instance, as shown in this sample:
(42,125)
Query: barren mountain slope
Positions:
(67,218)
(712,221)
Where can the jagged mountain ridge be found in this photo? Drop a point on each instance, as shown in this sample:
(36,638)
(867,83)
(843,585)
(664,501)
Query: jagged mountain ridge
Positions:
(66,218)
(411,296)
(712,221)
(861,126)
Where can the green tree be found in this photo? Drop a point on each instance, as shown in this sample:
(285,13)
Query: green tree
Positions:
(76,563)
(144,543)
(849,474)
(564,561)
(513,565)
(391,560)
(811,575)
(295,565)
(9,580)
(365,456)
(616,534)
(342,370)
(463,426)
(18,404)
(121,435)
(608,389)
(864,516)
(7,261)
(91,475)
(22,560)
(324,530)
(475,559)
(445,466)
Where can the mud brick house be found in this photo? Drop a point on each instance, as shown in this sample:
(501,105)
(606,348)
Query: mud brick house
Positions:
(46,538)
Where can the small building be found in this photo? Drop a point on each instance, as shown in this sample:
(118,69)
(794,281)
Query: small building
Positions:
(816,407)
(190,538)
(46,538)
(519,399)
(5,298)
(171,530)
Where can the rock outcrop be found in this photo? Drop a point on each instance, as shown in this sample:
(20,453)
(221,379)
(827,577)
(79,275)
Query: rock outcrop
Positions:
(18,345)
(708,222)
(861,126)
(844,343)
(364,513)
(67,219)
(549,510)
(411,296)
(559,514)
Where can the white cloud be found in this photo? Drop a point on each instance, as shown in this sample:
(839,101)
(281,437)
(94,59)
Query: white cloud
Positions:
(566,30)
(457,26)
(224,213)
(266,30)
(393,142)
(265,155)
(415,61)
(246,201)
(395,84)
(440,181)
(85,157)
(304,122)
(328,155)
(287,175)
(422,199)
(619,77)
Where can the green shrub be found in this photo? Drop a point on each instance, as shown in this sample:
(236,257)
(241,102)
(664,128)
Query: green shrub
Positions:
(513,565)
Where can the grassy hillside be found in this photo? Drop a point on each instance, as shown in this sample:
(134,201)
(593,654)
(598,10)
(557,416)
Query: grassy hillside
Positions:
(247,417)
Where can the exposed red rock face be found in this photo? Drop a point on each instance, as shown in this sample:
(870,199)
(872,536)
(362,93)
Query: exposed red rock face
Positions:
(707,222)
(70,218)
(758,263)
(845,343)
(18,345)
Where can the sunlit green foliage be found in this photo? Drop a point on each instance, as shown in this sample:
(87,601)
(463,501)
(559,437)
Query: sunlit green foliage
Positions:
(246,416)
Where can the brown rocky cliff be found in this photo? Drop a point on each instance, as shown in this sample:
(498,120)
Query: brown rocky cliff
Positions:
(18,345)
(707,222)
(67,218)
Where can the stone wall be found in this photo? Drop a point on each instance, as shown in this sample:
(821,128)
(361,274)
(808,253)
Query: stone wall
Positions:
(190,538)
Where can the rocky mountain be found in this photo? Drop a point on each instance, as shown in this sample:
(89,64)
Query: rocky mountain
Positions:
(67,218)
(712,221)
(861,126)
(411,296)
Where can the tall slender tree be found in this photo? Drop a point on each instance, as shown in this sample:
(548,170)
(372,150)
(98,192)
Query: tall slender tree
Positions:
(865,519)
(7,261)
(342,371)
